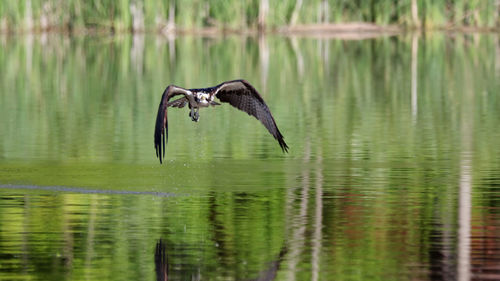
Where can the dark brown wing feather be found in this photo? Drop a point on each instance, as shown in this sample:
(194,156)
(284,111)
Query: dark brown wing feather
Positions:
(243,96)
(180,103)
(161,128)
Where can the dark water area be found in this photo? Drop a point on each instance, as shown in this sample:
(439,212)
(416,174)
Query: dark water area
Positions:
(393,171)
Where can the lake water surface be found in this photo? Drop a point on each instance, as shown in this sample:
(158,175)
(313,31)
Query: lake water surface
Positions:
(393,171)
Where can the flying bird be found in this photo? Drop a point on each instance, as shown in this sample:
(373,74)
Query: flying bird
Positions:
(238,93)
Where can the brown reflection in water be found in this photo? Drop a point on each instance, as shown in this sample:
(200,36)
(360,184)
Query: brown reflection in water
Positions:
(484,238)
(485,247)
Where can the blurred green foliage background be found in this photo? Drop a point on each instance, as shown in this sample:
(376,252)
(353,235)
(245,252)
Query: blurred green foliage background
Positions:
(124,15)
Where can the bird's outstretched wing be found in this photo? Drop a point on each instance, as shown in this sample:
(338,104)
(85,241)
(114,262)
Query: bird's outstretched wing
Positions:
(161,128)
(243,96)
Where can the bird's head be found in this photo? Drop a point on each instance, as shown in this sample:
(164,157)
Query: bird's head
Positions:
(203,98)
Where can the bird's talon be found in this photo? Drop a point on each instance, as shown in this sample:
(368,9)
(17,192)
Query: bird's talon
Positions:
(194,115)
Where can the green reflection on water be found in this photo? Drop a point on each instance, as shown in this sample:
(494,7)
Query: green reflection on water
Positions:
(381,133)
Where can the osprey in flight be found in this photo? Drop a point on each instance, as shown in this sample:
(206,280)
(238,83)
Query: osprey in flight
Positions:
(238,93)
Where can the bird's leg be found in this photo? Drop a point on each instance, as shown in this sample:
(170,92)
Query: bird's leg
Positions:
(196,114)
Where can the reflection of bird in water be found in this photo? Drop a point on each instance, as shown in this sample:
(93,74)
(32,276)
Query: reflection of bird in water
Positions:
(238,93)
(161,262)
(162,265)
(273,267)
